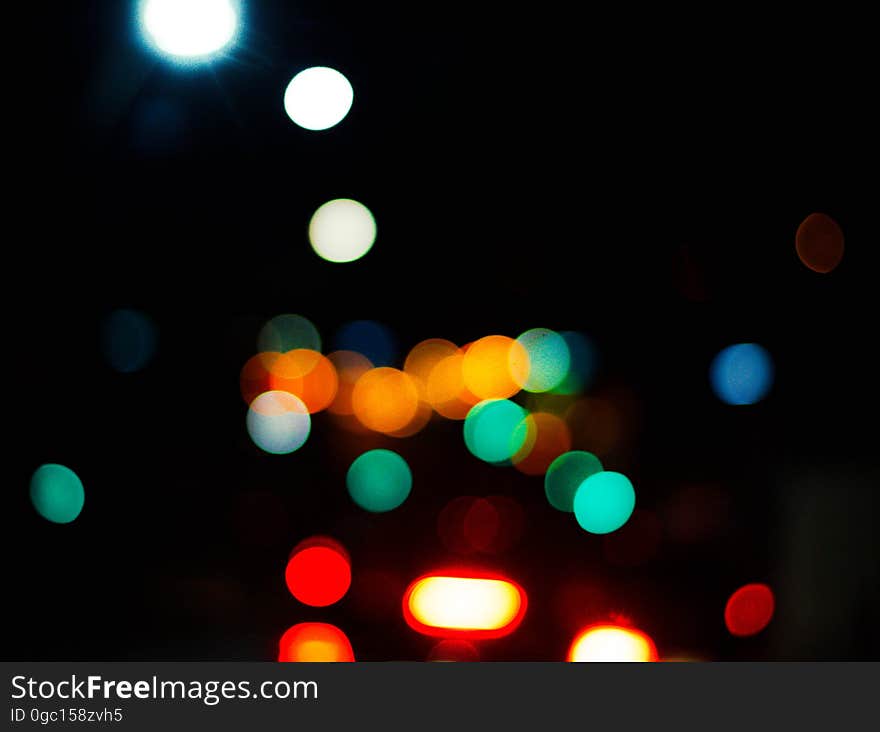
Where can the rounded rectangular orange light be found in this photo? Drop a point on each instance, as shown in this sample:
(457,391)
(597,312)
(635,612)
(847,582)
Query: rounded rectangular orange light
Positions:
(448,605)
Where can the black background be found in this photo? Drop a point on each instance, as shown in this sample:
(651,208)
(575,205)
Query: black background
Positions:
(636,175)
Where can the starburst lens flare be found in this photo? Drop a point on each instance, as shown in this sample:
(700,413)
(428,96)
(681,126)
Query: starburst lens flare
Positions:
(604,502)
(129,340)
(379,480)
(189,29)
(342,230)
(742,374)
(612,643)
(278,422)
(57,493)
(318,572)
(318,98)
(454,605)
(566,474)
(495,430)
(285,333)
(819,243)
(548,357)
(315,642)
(749,610)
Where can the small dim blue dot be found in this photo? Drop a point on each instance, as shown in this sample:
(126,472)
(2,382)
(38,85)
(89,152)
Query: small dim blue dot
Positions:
(129,340)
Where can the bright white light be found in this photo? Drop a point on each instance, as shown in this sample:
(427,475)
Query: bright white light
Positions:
(342,230)
(318,98)
(189,29)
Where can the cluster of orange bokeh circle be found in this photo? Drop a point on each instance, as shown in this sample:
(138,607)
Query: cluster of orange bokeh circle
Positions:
(438,378)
